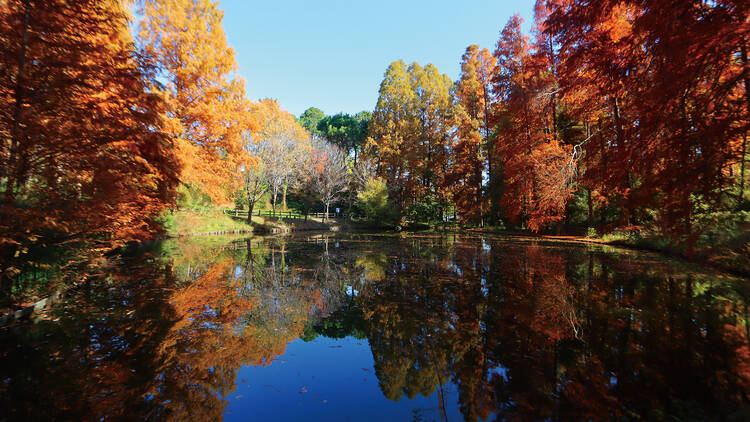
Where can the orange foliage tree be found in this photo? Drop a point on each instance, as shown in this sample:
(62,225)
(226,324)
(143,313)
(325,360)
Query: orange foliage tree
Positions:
(206,98)
(81,147)
(472,157)
(410,131)
(275,147)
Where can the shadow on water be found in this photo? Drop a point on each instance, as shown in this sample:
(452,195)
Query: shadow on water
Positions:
(483,328)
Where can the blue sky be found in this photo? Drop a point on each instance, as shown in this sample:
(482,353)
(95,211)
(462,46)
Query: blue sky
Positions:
(332,54)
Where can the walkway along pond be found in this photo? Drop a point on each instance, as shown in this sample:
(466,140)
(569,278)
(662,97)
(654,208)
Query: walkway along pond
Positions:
(358,327)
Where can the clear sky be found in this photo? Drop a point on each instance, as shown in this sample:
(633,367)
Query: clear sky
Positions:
(331,54)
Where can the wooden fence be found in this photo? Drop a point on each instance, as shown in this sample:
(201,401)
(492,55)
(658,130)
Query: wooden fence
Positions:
(280,214)
(268,213)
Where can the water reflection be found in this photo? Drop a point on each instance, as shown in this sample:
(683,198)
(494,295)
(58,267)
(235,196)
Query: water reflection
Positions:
(521,330)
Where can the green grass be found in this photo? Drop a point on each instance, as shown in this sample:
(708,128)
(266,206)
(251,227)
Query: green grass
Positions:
(185,222)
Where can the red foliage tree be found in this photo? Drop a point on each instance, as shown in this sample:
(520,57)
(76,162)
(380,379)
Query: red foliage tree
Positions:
(666,83)
(534,162)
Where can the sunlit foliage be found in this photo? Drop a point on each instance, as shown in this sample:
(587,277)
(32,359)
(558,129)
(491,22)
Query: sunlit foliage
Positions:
(83,153)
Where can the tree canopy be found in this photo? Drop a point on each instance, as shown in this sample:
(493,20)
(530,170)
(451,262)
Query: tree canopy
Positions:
(346,131)
(110,111)
(614,108)
(83,146)
(309,120)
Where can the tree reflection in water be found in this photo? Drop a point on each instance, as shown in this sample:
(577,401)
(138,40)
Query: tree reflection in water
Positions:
(524,330)
(532,331)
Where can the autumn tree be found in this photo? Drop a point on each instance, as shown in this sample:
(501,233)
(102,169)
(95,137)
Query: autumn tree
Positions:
(668,86)
(410,131)
(536,182)
(82,150)
(431,109)
(472,149)
(387,142)
(348,133)
(328,176)
(254,174)
(206,97)
(285,163)
(277,146)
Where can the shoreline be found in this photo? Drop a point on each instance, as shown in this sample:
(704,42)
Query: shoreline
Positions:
(28,310)
(703,260)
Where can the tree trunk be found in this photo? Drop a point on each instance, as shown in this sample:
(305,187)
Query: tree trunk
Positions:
(553,99)
(742,168)
(480,202)
(273,202)
(602,174)
(590,203)
(283,197)
(620,141)
(326,217)
(351,200)
(250,258)
(250,207)
(618,122)
(16,143)
(743,52)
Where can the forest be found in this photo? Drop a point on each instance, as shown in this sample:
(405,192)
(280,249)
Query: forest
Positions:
(612,119)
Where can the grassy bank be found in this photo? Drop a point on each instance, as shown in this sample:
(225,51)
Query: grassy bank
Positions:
(731,255)
(196,222)
(728,252)
(189,222)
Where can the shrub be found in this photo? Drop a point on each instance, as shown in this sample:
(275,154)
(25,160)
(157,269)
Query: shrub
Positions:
(375,203)
(426,209)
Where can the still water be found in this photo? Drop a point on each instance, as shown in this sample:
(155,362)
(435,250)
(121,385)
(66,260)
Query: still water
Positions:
(384,328)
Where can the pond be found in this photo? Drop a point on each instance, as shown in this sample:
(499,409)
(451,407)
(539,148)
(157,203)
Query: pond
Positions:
(354,327)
